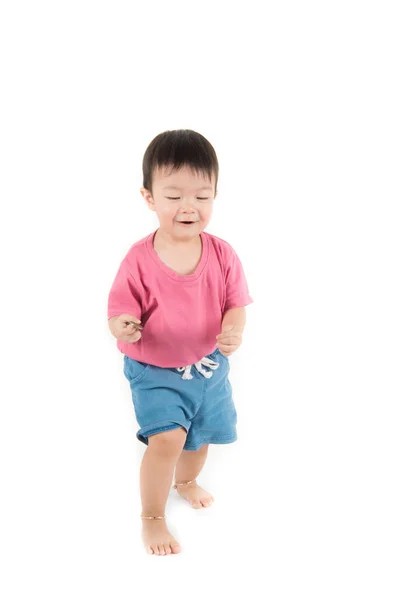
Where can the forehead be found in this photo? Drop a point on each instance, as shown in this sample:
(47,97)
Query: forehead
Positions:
(184,178)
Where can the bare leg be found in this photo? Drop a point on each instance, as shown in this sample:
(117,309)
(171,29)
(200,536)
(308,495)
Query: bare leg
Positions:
(188,467)
(156,474)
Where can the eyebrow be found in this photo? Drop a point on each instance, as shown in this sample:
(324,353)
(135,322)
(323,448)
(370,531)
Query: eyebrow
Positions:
(173,187)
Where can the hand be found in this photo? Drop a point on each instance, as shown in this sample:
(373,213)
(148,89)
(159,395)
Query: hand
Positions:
(123,331)
(229,340)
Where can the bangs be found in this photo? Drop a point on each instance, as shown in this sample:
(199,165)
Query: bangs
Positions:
(179,148)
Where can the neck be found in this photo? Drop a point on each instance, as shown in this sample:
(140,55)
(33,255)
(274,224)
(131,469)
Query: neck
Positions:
(167,239)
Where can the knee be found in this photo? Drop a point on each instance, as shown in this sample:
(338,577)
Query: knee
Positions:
(168,443)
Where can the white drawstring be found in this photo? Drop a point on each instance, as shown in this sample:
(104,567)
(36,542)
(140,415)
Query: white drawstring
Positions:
(207,362)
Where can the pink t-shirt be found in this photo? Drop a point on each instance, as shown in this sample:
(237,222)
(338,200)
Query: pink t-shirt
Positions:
(181,314)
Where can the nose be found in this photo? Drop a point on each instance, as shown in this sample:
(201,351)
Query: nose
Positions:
(187,204)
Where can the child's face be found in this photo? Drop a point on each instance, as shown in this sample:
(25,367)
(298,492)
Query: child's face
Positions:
(181,196)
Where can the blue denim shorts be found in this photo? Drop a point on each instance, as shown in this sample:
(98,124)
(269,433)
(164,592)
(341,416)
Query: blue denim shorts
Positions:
(200,400)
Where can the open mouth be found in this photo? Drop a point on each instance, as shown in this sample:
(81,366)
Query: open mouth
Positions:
(186,222)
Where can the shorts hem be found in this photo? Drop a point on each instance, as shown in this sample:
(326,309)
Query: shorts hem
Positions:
(144,433)
(220,440)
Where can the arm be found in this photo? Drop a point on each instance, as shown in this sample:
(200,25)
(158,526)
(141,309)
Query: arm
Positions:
(124,303)
(237,293)
(236,317)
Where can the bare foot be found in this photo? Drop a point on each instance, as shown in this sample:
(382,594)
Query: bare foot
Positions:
(157,538)
(197,497)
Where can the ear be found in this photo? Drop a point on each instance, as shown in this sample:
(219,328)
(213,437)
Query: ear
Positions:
(148,197)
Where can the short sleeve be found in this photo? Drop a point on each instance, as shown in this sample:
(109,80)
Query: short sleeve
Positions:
(124,296)
(237,293)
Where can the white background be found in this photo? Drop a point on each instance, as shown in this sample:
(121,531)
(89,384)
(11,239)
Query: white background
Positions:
(301,102)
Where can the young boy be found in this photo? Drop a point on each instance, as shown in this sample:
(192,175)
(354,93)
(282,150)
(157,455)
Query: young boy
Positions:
(176,307)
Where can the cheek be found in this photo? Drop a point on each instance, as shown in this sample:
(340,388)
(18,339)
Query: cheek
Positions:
(205,212)
(167,210)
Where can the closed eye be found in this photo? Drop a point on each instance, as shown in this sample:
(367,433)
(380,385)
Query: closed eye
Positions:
(178,197)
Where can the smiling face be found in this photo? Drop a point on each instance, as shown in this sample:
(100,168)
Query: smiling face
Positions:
(181,197)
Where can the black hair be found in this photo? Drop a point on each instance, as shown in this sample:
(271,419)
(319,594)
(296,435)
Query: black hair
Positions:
(178,148)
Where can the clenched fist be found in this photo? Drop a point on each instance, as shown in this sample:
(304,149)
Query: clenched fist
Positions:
(229,340)
(123,331)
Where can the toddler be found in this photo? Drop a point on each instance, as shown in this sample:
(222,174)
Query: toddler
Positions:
(176,307)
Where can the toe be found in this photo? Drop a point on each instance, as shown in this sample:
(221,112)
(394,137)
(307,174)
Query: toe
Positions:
(175,548)
(168,549)
(196,504)
(207,501)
